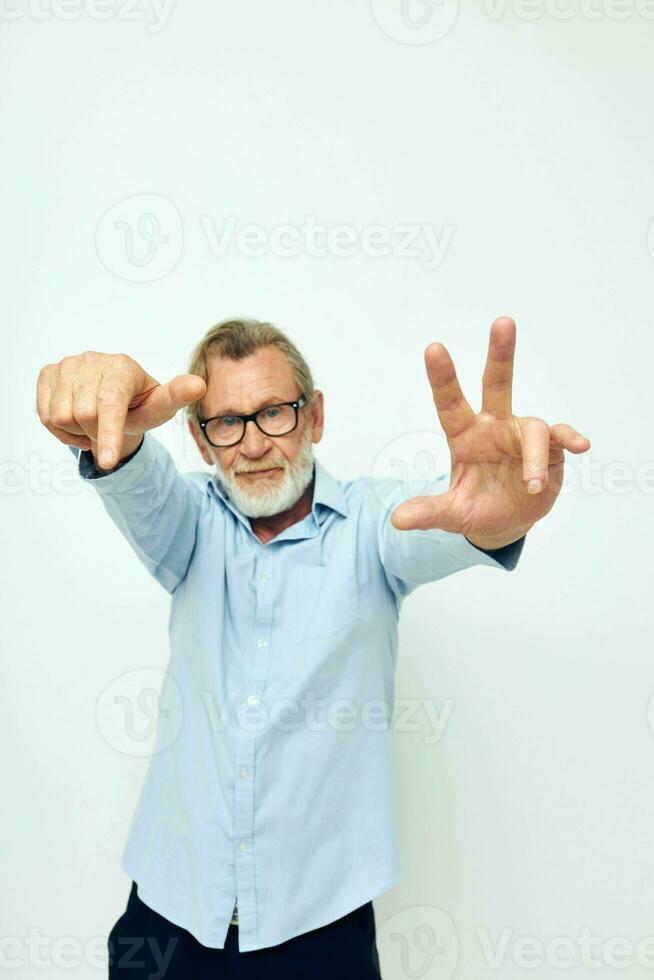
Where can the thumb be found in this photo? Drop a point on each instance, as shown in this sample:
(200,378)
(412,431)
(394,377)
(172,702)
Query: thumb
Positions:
(151,408)
(427,513)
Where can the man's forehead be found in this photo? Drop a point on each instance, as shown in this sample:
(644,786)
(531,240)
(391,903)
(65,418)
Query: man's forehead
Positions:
(247,384)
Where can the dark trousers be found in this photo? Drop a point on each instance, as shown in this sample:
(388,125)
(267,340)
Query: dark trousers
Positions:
(143,945)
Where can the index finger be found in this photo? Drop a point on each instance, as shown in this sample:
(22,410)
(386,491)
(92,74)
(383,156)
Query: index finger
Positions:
(498,373)
(454,412)
(113,399)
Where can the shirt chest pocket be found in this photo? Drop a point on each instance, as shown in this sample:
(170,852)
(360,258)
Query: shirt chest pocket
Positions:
(327,600)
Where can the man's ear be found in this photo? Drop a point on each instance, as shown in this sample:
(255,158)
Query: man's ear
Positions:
(200,442)
(317,415)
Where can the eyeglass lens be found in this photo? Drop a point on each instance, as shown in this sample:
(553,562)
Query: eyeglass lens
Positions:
(228,429)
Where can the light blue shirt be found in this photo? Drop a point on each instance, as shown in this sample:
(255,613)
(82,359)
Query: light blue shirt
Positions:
(271,781)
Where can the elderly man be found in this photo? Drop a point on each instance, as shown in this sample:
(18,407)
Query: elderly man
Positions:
(265,824)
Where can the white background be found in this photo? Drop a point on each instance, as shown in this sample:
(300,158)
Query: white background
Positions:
(528,137)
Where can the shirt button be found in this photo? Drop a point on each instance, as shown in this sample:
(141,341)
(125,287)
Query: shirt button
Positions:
(252,699)
(265,577)
(244,774)
(243,846)
(262,643)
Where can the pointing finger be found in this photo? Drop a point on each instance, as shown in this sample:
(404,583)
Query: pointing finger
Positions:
(112,403)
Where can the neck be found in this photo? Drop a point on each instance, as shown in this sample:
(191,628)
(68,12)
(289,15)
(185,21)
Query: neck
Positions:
(267,528)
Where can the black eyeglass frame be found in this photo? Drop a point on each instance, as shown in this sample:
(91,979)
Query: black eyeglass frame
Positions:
(299,403)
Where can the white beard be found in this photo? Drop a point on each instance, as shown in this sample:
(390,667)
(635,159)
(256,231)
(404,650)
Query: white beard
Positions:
(270,496)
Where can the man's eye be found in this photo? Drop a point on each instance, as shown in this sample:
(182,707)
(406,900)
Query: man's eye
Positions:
(228,421)
(272,413)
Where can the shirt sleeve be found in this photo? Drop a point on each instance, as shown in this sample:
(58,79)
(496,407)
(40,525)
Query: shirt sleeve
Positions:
(413,558)
(155,507)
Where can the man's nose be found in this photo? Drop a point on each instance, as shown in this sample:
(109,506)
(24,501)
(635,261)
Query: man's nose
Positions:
(254,442)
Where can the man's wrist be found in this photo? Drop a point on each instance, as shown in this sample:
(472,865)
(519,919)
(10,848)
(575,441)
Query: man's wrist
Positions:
(494,544)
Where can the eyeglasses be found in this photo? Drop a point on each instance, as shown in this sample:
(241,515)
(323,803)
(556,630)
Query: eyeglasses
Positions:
(273,420)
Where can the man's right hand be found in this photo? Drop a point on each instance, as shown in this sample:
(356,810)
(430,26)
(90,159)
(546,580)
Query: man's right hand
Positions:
(105,402)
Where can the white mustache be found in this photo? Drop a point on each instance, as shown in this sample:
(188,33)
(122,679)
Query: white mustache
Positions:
(260,469)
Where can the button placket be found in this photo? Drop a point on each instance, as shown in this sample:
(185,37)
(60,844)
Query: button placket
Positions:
(245,752)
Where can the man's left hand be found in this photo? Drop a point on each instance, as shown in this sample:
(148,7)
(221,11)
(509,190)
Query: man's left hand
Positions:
(506,470)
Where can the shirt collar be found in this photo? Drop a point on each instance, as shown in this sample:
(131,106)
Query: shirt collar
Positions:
(327,492)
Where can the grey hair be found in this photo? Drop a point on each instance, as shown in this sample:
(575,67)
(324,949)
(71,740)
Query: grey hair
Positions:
(235,339)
